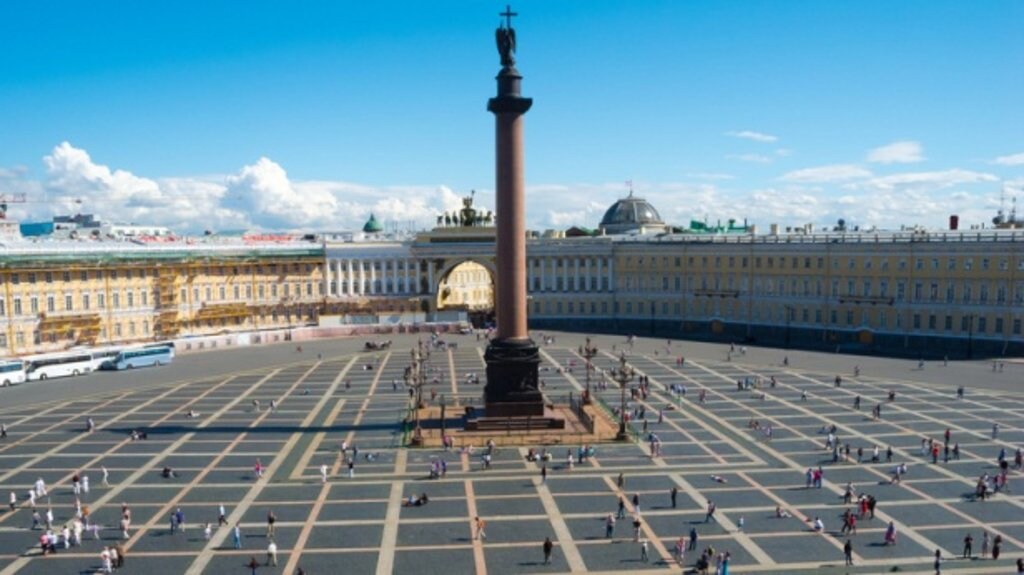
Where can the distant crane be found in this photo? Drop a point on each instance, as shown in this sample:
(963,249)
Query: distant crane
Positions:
(7,199)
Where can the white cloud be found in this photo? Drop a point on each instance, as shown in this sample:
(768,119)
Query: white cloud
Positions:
(752,135)
(1011,160)
(710,176)
(753,158)
(823,174)
(925,180)
(904,152)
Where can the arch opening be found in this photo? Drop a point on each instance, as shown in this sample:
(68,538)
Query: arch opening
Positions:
(468,287)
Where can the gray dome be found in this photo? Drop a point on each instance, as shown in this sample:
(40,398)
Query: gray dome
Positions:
(631,212)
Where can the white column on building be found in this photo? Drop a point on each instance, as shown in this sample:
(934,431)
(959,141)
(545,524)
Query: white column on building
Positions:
(430,275)
(576,275)
(586,274)
(600,273)
(350,277)
(611,274)
(362,276)
(395,287)
(405,275)
(373,276)
(543,263)
(565,274)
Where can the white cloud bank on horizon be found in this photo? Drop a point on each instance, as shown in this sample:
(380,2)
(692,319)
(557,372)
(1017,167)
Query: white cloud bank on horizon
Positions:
(263,196)
(905,152)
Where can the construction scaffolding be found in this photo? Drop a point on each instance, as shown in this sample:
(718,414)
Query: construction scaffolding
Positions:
(83,328)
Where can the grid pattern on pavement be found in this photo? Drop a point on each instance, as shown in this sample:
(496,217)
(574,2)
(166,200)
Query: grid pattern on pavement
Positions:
(358,399)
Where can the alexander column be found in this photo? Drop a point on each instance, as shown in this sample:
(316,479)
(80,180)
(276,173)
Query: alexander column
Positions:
(512,358)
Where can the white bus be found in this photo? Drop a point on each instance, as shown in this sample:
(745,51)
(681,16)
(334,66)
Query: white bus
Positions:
(63,365)
(11,372)
(154,355)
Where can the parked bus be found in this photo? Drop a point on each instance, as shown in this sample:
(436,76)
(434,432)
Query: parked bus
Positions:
(141,357)
(63,365)
(12,372)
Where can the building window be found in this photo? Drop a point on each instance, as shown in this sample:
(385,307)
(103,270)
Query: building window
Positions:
(117,330)
(85,301)
(115,300)
(223,293)
(999,325)
(209,293)
(68,304)
(949,323)
(144,296)
(982,324)
(131,300)
(101,301)
(145,327)
(49,277)
(50,304)
(917,321)
(1016,326)
(932,322)
(83,275)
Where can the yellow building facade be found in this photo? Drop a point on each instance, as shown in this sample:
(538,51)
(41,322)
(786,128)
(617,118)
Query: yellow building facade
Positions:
(60,294)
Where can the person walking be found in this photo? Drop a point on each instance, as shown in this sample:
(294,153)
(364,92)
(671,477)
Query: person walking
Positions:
(271,520)
(272,554)
(984,544)
(637,524)
(106,476)
(609,526)
(937,564)
(693,540)
(710,512)
(253,564)
(236,534)
(222,516)
(643,551)
(323,473)
(480,525)
(548,547)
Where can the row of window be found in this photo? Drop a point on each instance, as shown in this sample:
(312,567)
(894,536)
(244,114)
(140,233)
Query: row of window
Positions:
(819,262)
(142,273)
(968,324)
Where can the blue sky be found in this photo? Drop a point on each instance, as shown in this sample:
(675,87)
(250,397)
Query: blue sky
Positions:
(270,115)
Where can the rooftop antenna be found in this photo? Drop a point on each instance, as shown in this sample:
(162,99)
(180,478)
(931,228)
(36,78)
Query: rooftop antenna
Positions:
(629,184)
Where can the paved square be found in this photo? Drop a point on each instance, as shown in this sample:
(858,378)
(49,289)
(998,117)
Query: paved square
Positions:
(715,450)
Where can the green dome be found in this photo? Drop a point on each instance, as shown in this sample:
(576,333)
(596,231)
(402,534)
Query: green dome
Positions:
(372,226)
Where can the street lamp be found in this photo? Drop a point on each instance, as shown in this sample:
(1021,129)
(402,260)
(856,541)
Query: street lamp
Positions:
(415,377)
(623,375)
(970,336)
(789,317)
(588,352)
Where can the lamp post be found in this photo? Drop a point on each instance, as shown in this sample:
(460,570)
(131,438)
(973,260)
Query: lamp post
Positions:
(415,377)
(789,317)
(623,375)
(588,352)
(970,336)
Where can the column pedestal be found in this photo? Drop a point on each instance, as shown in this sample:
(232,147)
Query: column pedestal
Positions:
(512,382)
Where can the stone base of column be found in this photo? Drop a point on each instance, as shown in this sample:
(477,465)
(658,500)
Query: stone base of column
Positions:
(512,382)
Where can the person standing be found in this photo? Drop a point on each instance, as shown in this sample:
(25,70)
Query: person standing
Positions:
(236,533)
(968,551)
(997,546)
(609,526)
(710,512)
(253,563)
(848,553)
(693,539)
(621,513)
(643,551)
(544,474)
(106,475)
(222,516)
(323,473)
(938,562)
(548,547)
(13,501)
(984,544)
(673,494)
